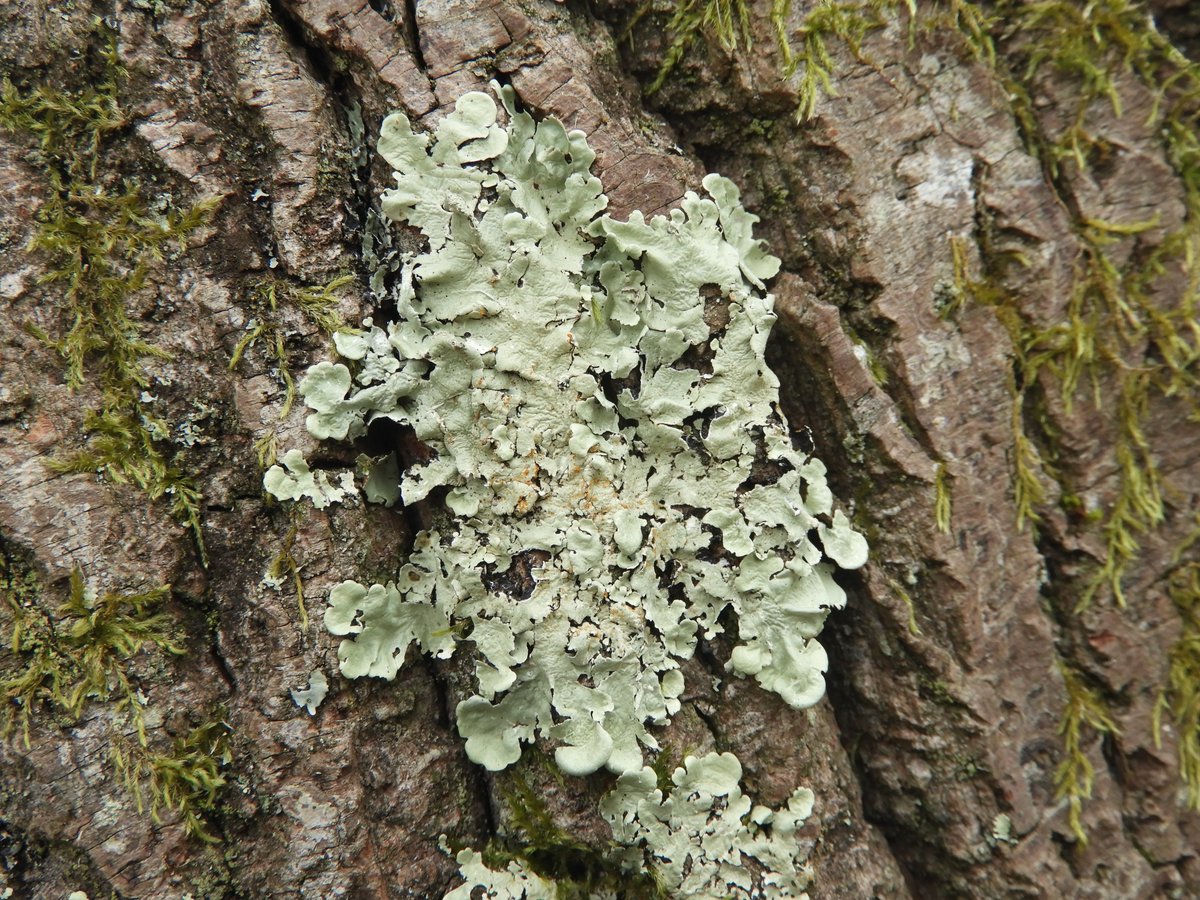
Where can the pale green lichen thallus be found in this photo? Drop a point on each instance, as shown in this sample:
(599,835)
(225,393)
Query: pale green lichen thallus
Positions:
(588,423)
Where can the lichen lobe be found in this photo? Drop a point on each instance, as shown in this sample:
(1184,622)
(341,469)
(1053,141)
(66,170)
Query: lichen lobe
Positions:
(543,351)
(513,326)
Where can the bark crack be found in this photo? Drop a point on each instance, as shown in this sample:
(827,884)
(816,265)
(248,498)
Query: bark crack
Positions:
(413,35)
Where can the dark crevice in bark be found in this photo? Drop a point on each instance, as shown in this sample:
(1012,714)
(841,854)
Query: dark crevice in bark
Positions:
(319,60)
(489,802)
(413,34)
(322,62)
(910,856)
(384,8)
(218,657)
(485,793)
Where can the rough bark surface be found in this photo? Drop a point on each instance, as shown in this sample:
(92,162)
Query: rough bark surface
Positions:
(929,733)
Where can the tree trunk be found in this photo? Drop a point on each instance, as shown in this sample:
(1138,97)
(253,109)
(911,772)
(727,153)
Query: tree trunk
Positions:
(988,228)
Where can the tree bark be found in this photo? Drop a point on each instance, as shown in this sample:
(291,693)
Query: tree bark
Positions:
(918,185)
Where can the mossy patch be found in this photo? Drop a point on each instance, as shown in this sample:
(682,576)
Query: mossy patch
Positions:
(60,659)
(1120,343)
(578,870)
(942,501)
(1181,695)
(319,306)
(284,567)
(804,54)
(1085,711)
(100,238)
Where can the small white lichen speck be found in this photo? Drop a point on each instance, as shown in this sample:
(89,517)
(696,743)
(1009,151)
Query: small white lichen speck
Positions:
(618,468)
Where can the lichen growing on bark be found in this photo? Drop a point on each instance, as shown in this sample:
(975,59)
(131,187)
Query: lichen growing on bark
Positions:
(590,426)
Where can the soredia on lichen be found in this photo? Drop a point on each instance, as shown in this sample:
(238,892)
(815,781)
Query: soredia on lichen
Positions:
(601,416)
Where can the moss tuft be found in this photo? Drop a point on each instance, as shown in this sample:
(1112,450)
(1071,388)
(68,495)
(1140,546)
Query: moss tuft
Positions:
(728,23)
(907,600)
(942,499)
(100,240)
(579,870)
(186,781)
(284,565)
(79,652)
(1075,775)
(727,20)
(1181,695)
(318,303)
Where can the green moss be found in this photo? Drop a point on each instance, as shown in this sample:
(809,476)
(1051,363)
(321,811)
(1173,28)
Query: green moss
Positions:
(1075,775)
(967,767)
(1109,320)
(186,781)
(964,287)
(874,364)
(579,870)
(935,690)
(124,444)
(284,566)
(79,651)
(907,600)
(100,240)
(1181,695)
(971,21)
(1029,491)
(848,22)
(942,499)
(1093,45)
(69,127)
(318,304)
(726,20)
(728,23)
(61,659)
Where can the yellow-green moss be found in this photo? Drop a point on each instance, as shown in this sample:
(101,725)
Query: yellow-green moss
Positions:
(874,364)
(317,302)
(100,239)
(848,22)
(78,652)
(942,499)
(1110,319)
(579,870)
(728,23)
(284,566)
(907,600)
(1075,775)
(186,781)
(60,659)
(1093,45)
(319,305)
(1181,696)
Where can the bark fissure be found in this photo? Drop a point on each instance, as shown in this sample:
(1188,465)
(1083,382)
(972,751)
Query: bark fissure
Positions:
(413,36)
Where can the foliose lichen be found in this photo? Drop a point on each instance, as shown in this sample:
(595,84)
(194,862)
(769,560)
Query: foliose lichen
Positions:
(697,837)
(602,420)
